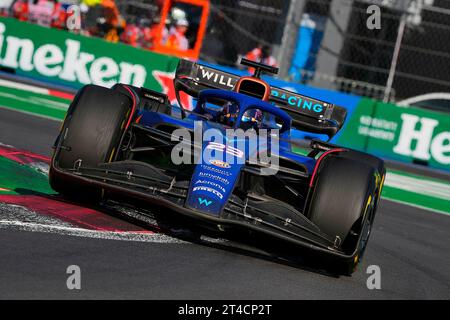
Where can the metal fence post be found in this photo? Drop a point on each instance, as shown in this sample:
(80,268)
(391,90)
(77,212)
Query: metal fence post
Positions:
(398,43)
(290,35)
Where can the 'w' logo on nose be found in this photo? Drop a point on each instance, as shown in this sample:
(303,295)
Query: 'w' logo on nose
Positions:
(204,202)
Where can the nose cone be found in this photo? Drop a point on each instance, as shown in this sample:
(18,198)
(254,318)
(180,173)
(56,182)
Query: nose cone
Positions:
(214,178)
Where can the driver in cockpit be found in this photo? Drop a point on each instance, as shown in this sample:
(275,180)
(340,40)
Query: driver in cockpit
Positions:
(229,114)
(252,119)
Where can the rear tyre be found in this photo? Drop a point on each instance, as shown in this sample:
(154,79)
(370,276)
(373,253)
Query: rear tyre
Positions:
(90,135)
(342,206)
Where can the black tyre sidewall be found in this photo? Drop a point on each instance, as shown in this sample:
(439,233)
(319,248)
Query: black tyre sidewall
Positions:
(92,131)
(340,200)
(93,127)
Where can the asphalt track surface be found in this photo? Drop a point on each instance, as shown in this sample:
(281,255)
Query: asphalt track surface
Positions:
(411,246)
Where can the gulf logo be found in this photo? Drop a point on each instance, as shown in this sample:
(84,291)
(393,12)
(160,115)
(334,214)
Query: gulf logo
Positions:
(220,164)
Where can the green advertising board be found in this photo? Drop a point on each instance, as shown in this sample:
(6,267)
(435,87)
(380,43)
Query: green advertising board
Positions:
(77,60)
(405,134)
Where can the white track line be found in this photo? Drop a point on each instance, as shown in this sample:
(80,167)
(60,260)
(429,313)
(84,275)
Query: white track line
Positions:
(32,114)
(415,205)
(420,186)
(38,101)
(78,232)
(22,86)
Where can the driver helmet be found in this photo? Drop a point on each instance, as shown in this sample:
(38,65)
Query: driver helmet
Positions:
(229,113)
(252,118)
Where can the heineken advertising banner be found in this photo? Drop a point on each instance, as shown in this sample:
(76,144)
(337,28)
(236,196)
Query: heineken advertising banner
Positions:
(75,60)
(405,134)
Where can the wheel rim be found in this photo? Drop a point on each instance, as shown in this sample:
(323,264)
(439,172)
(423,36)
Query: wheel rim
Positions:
(367,228)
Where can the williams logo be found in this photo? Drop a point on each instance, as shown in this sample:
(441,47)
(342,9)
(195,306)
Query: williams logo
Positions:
(219,78)
(204,201)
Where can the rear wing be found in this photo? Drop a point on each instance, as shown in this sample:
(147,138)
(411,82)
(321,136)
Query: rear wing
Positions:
(308,114)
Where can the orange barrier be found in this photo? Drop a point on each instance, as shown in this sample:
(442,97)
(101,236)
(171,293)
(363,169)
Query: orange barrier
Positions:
(194,52)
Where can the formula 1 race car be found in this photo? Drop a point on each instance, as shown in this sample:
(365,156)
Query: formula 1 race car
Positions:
(231,163)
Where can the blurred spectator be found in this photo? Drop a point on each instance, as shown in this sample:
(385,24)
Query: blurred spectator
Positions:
(177,38)
(20,10)
(102,18)
(5,6)
(150,34)
(112,35)
(131,34)
(41,12)
(112,14)
(177,14)
(59,16)
(263,54)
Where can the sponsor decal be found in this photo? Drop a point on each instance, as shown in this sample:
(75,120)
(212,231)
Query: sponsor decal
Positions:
(214,177)
(204,202)
(220,164)
(207,75)
(301,102)
(218,171)
(377,128)
(428,144)
(224,81)
(222,151)
(211,183)
(399,133)
(210,190)
(69,63)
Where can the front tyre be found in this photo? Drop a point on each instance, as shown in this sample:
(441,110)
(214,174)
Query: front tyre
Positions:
(90,136)
(342,206)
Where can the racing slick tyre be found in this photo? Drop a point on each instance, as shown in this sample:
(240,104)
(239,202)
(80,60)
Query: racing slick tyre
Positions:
(343,206)
(91,132)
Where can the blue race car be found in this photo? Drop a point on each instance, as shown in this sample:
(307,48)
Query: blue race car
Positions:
(232,163)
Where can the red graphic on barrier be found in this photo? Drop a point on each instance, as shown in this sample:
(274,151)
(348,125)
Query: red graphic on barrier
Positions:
(166,81)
